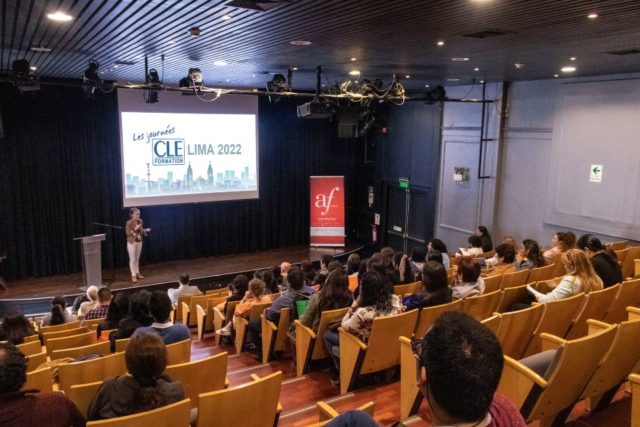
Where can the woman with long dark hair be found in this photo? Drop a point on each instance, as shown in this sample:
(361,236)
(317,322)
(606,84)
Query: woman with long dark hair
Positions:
(604,261)
(562,242)
(437,245)
(333,295)
(58,315)
(469,281)
(146,387)
(15,327)
(530,256)
(483,234)
(435,288)
(118,309)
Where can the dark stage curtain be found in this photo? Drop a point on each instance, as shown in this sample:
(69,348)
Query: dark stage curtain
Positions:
(60,167)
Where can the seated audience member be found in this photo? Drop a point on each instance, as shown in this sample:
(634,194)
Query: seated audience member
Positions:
(15,327)
(333,295)
(475,247)
(160,309)
(439,246)
(285,267)
(59,314)
(401,273)
(75,307)
(138,316)
(459,364)
(144,388)
(387,257)
(118,309)
(266,275)
(29,408)
(435,288)
(277,276)
(506,256)
(309,271)
(324,264)
(530,256)
(561,242)
(483,234)
(374,301)
(100,310)
(580,277)
(353,264)
(493,261)
(92,295)
(238,288)
(417,256)
(435,256)
(184,289)
(604,261)
(470,283)
(255,295)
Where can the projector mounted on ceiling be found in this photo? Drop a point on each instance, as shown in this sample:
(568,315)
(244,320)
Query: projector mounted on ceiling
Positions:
(261,5)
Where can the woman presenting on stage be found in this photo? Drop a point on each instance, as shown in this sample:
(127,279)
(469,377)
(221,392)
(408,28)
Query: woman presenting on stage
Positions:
(135,233)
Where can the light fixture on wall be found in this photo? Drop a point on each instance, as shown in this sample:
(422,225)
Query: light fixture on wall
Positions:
(460,174)
(90,78)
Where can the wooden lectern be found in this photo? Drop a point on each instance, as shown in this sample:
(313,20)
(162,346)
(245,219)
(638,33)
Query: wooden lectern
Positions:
(91,259)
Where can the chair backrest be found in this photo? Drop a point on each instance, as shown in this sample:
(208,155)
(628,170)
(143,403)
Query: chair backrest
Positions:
(29,348)
(122,344)
(409,288)
(217,292)
(41,379)
(557,318)
(353,282)
(200,376)
(383,348)
(516,330)
(487,254)
(79,340)
(283,327)
(627,265)
(559,265)
(181,299)
(195,301)
(46,336)
(482,306)
(32,338)
(93,323)
(326,318)
(179,352)
(101,348)
(493,322)
(228,407)
(634,381)
(541,273)
(57,328)
(618,362)
(492,283)
(428,315)
(617,246)
(231,308)
(629,295)
(82,395)
(35,360)
(517,278)
(91,370)
(176,414)
(511,296)
(213,301)
(185,317)
(598,302)
(257,309)
(621,254)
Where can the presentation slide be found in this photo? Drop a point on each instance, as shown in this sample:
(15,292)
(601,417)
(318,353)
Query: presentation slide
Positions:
(184,150)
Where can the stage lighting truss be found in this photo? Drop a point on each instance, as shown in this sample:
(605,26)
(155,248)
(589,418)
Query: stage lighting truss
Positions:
(365,91)
(24,77)
(91,80)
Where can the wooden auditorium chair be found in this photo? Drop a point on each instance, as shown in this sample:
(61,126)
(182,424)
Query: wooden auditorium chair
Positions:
(482,306)
(636,268)
(511,296)
(82,395)
(598,302)
(410,396)
(242,325)
(189,317)
(41,379)
(220,319)
(310,345)
(252,404)
(634,380)
(179,352)
(544,396)
(634,313)
(274,337)
(557,318)
(407,289)
(514,279)
(90,371)
(493,322)
(35,360)
(541,273)
(492,283)
(617,246)
(31,338)
(380,352)
(486,255)
(516,330)
(174,415)
(558,270)
(29,348)
(57,328)
(92,324)
(628,266)
(204,315)
(122,344)
(629,295)
(428,315)
(326,413)
(200,376)
(78,340)
(46,336)
(215,293)
(101,348)
(178,311)
(621,254)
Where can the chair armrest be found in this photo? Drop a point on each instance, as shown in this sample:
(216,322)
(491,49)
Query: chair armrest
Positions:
(633,313)
(596,326)
(518,381)
(301,329)
(325,412)
(634,378)
(551,342)
(268,323)
(405,340)
(351,340)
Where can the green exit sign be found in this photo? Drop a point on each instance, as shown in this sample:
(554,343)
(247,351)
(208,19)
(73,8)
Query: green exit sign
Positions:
(404,182)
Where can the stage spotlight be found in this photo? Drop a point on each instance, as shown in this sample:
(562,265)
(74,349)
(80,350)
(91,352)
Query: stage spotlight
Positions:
(434,95)
(277,84)
(24,77)
(153,80)
(91,78)
(194,80)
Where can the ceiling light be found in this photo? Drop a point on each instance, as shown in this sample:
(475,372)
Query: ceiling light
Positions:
(300,42)
(440,43)
(573,58)
(171,42)
(592,15)
(226,80)
(354,73)
(33,68)
(556,75)
(568,69)
(195,31)
(253,75)
(460,59)
(225,17)
(40,49)
(476,69)
(354,59)
(408,76)
(481,81)
(295,68)
(59,16)
(519,65)
(426,85)
(453,80)
(220,63)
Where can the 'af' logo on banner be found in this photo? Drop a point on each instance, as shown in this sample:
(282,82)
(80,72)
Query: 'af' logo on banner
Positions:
(167,151)
(324,202)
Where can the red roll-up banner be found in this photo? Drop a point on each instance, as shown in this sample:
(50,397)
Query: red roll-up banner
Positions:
(327,211)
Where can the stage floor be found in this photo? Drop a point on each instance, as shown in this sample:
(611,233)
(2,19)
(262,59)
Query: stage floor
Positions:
(201,270)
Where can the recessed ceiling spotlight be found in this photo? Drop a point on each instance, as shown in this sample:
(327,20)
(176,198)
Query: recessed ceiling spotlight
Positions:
(592,15)
(573,58)
(171,42)
(226,80)
(354,59)
(476,69)
(459,59)
(440,43)
(519,65)
(59,16)
(40,49)
(324,85)
(426,85)
(453,80)
(300,42)
(220,63)
(225,17)
(195,31)
(116,66)
(481,81)
(254,90)
(354,73)
(33,68)
(556,75)
(568,69)
(408,76)
(253,75)
(295,68)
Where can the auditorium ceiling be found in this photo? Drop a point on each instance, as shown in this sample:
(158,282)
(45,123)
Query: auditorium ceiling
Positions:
(241,43)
